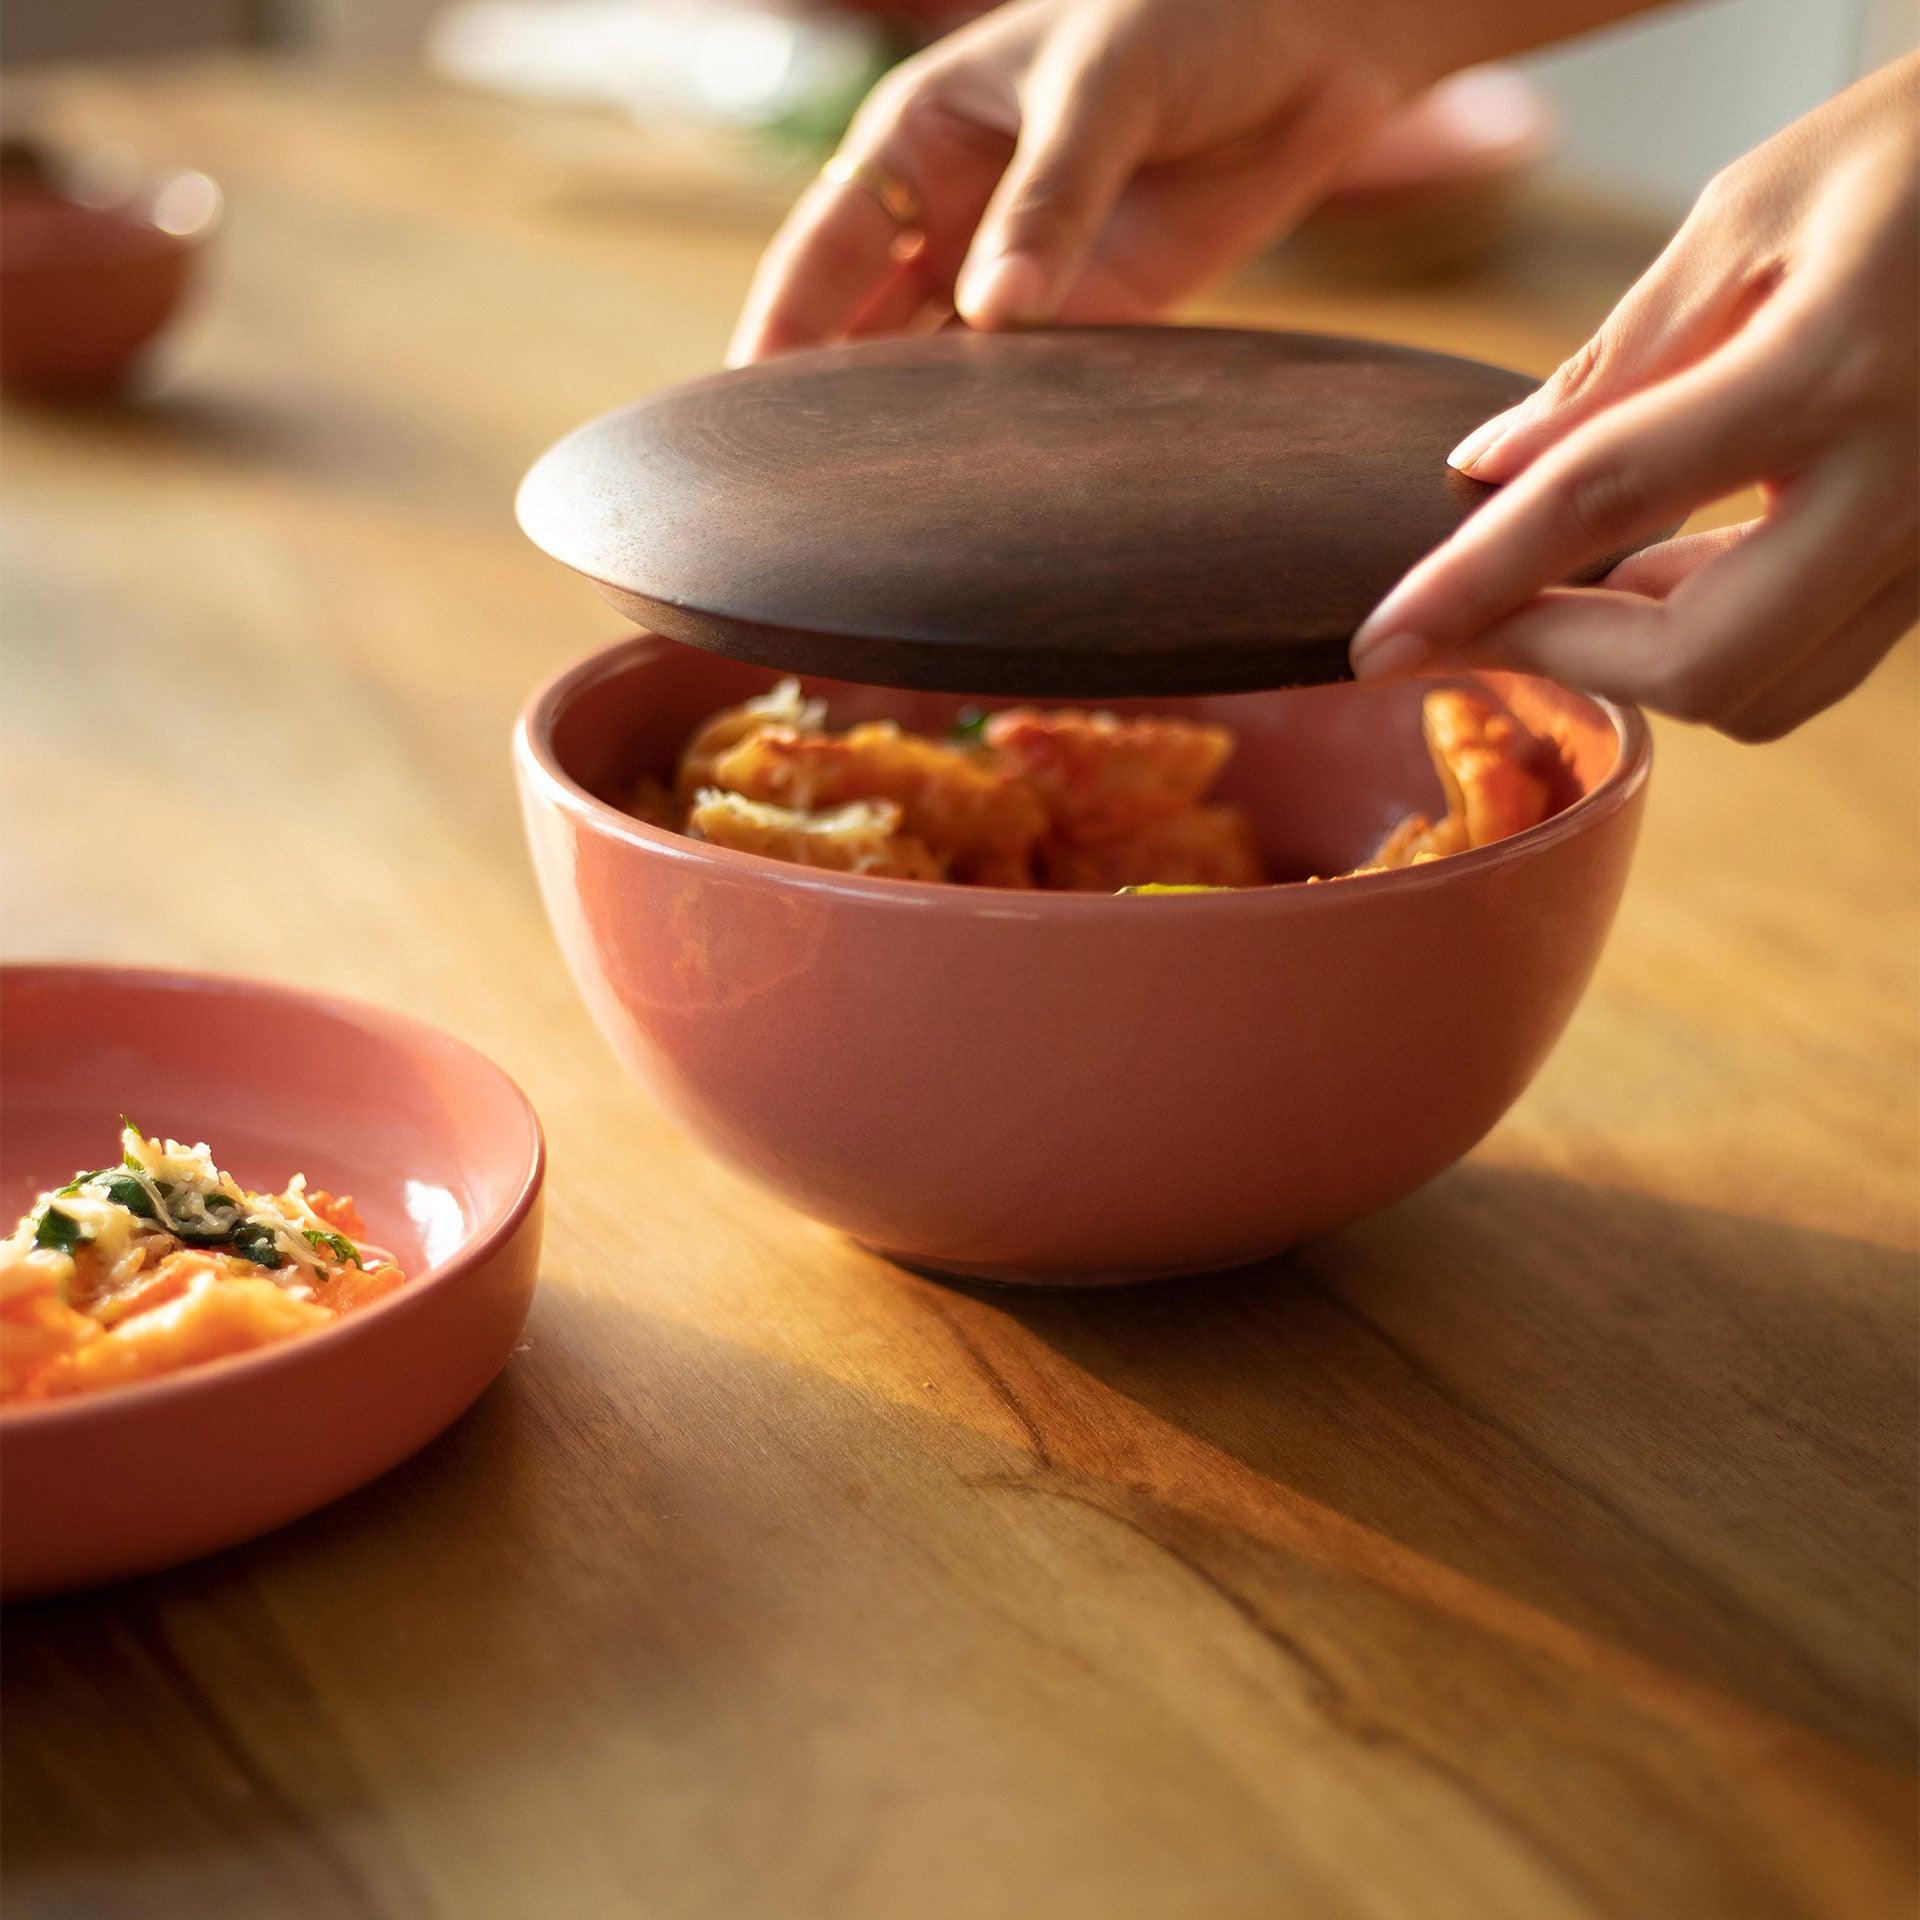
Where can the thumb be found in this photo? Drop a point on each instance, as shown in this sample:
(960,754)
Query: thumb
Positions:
(1079,144)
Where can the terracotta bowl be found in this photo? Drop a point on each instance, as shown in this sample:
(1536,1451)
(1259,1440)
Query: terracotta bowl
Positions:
(1077,1089)
(436,1144)
(87,285)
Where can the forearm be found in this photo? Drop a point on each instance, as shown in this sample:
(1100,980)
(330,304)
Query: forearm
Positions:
(1426,39)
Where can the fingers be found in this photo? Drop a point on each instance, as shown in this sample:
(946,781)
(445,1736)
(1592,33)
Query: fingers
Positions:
(831,257)
(896,304)
(1657,570)
(841,258)
(1836,668)
(1621,478)
(1218,208)
(1759,626)
(1691,300)
(1079,143)
(1023,226)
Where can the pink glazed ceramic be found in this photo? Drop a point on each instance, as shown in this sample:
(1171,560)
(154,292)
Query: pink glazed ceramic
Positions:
(1072,1089)
(438,1146)
(88,286)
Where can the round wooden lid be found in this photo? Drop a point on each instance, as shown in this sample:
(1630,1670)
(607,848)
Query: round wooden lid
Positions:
(1089,511)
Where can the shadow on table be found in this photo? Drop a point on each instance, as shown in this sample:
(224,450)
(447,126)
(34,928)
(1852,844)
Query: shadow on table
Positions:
(369,453)
(181,1717)
(1682,1436)
(1687,1432)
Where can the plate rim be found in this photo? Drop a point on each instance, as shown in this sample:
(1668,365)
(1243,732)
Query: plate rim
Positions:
(494,1233)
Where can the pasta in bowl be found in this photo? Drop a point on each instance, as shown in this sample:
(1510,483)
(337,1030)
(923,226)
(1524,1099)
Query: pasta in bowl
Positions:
(1061,800)
(1071,1085)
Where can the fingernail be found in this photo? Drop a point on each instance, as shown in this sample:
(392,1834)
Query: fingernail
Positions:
(1392,653)
(1475,445)
(1005,290)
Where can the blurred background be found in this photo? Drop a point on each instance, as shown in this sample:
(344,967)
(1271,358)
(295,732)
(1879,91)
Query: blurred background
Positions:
(742,93)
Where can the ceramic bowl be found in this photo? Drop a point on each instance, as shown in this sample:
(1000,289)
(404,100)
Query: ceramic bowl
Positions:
(1064,1088)
(437,1145)
(89,276)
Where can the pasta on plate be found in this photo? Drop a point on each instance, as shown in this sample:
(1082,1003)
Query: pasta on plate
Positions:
(162,1261)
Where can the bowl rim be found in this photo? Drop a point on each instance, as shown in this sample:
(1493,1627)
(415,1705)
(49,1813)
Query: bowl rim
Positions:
(144,237)
(487,1238)
(539,765)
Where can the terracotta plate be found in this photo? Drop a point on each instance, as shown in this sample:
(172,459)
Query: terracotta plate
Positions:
(1069,513)
(436,1144)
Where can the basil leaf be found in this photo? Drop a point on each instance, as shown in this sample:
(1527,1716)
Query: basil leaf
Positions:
(189,1236)
(125,1191)
(336,1243)
(252,1241)
(58,1232)
(80,1180)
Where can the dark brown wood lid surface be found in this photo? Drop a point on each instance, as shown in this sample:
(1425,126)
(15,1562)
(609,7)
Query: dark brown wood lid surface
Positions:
(1070,513)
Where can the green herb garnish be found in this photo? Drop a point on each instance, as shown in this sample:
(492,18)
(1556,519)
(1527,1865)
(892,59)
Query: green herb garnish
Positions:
(255,1242)
(336,1243)
(58,1232)
(969,727)
(125,1191)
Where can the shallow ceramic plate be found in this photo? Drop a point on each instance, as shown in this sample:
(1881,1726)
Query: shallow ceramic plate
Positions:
(439,1148)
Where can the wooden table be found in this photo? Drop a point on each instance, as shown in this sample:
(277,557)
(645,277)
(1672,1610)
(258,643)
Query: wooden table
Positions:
(1545,1546)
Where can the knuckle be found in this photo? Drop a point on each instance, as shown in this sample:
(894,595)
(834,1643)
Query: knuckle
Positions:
(1722,198)
(1825,366)
(1597,500)
(1690,692)
(1580,370)
(1047,200)
(897,98)
(1811,364)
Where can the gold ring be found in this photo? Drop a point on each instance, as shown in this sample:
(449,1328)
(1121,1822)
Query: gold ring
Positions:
(895,198)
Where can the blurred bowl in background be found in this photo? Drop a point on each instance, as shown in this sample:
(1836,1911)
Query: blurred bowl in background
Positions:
(94,262)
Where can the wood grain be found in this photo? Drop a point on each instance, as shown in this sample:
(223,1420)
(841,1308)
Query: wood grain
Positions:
(1073,514)
(1544,1547)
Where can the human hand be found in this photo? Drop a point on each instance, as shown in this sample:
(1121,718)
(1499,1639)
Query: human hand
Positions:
(1776,342)
(1082,161)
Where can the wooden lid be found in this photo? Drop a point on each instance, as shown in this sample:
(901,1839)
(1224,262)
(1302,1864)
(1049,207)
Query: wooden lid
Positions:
(1076,512)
